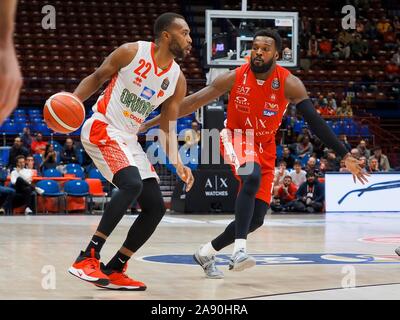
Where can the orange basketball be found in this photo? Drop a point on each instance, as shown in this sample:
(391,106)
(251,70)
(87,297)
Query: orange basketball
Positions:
(64,112)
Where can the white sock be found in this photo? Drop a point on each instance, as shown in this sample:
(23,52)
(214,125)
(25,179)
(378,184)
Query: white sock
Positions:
(240,244)
(207,250)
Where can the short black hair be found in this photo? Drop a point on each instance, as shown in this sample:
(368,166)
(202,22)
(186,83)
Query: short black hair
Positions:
(272,34)
(19,157)
(164,21)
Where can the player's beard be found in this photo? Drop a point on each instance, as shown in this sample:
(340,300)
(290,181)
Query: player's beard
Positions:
(264,68)
(176,49)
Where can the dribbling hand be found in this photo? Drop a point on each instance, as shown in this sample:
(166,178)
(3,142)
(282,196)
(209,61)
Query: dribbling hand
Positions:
(186,175)
(353,165)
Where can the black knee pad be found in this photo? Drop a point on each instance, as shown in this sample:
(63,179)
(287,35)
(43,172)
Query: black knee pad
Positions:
(128,179)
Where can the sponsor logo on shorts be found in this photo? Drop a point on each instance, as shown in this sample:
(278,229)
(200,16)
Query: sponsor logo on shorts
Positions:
(285,259)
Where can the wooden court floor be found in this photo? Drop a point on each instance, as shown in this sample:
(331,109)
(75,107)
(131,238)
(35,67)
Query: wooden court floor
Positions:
(333,256)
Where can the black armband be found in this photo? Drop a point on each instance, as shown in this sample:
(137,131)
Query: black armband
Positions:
(320,127)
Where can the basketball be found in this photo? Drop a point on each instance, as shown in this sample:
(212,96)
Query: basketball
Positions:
(64,112)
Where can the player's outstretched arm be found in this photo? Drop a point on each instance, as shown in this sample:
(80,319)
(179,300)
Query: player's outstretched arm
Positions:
(222,84)
(167,136)
(296,93)
(10,74)
(118,59)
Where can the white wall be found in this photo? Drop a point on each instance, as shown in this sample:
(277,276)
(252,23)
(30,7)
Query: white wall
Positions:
(337,185)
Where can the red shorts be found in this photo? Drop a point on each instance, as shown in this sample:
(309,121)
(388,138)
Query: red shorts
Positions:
(239,149)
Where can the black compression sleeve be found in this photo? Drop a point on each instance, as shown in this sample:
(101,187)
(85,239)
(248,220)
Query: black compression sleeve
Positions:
(320,127)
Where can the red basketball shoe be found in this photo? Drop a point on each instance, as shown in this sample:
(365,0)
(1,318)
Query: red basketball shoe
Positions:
(87,267)
(120,281)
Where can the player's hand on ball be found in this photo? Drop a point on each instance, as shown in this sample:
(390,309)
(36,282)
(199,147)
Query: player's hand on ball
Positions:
(353,165)
(186,175)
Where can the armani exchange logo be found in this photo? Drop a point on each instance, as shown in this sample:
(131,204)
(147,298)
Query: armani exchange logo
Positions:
(216,187)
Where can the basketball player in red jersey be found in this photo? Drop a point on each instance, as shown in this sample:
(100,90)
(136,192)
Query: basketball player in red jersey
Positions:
(260,92)
(10,74)
(143,75)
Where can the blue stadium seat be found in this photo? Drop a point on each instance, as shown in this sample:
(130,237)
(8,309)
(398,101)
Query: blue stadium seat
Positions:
(51,189)
(78,172)
(76,188)
(52,173)
(96,174)
(9,128)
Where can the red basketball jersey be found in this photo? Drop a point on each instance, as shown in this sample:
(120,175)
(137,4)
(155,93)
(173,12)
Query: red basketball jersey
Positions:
(257,105)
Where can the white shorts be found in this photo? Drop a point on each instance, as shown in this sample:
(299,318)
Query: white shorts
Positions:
(112,149)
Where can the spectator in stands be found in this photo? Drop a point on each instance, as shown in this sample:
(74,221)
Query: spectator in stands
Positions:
(373,166)
(49,158)
(358,48)
(345,109)
(331,160)
(304,147)
(26,138)
(280,174)
(331,101)
(287,158)
(343,139)
(360,27)
(311,166)
(325,48)
(355,153)
(310,195)
(21,179)
(370,31)
(383,26)
(342,49)
(69,153)
(38,146)
(343,167)
(285,195)
(30,162)
(16,150)
(192,136)
(396,57)
(298,175)
(363,163)
(6,193)
(383,161)
(392,71)
(305,132)
(313,50)
(363,150)
(323,167)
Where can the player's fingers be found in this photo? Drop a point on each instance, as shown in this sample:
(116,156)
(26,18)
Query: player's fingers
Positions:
(363,177)
(354,178)
(190,181)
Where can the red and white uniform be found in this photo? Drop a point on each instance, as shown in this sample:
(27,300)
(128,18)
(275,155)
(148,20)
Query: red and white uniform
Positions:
(254,115)
(110,135)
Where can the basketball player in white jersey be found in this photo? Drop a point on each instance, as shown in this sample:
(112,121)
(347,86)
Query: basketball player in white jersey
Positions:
(143,75)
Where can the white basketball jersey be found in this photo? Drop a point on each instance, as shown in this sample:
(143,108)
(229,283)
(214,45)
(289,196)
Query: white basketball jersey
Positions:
(136,90)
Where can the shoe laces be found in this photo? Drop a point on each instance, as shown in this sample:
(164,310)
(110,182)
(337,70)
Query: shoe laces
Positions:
(92,260)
